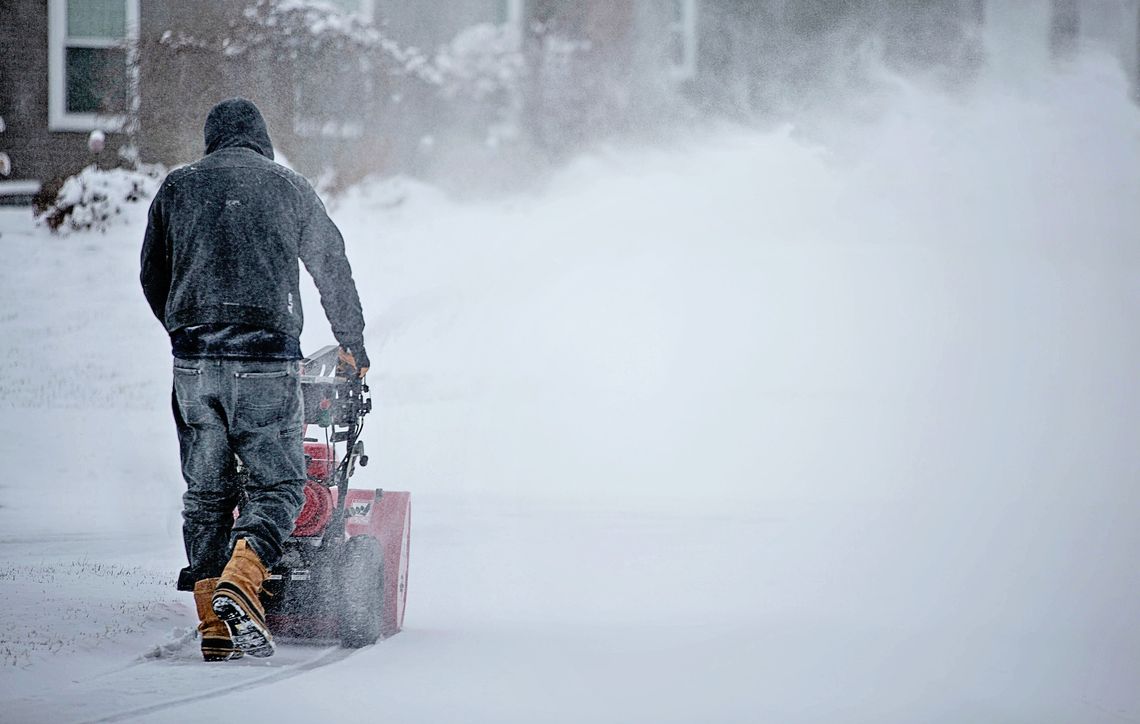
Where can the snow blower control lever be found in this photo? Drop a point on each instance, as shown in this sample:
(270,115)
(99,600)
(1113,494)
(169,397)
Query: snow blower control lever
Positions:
(337,401)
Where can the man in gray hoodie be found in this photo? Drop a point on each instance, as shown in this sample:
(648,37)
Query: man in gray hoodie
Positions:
(220,271)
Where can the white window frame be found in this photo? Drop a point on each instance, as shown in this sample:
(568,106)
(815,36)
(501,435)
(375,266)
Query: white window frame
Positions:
(59,118)
(686,29)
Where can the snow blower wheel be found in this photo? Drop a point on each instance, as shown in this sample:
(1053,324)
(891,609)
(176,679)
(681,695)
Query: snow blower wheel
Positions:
(362,592)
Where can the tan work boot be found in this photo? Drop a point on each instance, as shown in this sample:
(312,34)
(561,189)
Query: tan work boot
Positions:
(236,602)
(216,643)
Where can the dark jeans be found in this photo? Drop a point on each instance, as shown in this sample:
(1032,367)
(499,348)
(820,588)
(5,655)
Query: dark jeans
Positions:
(253,410)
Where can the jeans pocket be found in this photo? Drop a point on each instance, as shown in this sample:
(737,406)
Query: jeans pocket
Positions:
(190,394)
(261,375)
(265,399)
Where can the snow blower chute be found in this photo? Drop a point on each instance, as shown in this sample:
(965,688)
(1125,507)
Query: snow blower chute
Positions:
(344,572)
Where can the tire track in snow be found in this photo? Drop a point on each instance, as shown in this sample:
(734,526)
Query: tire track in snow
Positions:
(322,658)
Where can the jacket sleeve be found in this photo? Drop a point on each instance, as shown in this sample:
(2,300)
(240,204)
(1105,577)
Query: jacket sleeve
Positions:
(155,274)
(322,252)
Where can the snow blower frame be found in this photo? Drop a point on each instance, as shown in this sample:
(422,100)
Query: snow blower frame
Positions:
(344,572)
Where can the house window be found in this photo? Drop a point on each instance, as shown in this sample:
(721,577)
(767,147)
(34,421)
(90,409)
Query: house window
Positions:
(91,51)
(682,47)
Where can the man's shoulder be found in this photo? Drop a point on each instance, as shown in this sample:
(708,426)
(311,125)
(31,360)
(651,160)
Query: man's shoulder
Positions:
(293,177)
(177,173)
(285,172)
(252,163)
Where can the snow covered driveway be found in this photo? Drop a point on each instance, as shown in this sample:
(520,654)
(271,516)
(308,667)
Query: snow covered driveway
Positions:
(749,431)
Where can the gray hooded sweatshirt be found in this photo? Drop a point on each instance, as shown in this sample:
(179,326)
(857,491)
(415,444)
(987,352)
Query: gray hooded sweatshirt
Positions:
(224,235)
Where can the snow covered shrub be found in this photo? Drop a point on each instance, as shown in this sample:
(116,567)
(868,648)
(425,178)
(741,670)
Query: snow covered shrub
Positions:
(94,198)
(304,29)
(481,61)
(482,70)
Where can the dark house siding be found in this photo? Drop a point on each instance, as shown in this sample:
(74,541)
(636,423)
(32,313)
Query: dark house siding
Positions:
(178,87)
(37,152)
(760,57)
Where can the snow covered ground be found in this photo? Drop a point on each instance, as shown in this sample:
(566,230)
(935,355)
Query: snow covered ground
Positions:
(747,430)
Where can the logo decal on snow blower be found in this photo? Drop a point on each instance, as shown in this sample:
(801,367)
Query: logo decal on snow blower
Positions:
(359,510)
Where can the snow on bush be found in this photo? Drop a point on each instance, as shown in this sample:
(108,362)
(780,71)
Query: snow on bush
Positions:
(480,61)
(483,68)
(94,198)
(304,28)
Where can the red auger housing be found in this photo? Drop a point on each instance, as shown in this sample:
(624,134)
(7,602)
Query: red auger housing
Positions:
(344,572)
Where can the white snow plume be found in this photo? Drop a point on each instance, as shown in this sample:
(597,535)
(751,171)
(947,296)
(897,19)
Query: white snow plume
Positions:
(907,359)
(757,317)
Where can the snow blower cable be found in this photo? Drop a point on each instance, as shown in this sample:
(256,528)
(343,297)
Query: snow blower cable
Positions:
(330,450)
(341,474)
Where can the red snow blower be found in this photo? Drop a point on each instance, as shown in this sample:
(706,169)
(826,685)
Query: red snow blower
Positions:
(344,572)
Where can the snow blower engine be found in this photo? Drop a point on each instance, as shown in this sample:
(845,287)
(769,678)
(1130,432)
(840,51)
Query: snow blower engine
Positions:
(344,572)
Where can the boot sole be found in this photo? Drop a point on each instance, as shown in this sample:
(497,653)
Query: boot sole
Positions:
(218,649)
(248,634)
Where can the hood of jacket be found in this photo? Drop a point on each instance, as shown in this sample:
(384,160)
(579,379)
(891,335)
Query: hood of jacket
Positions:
(237,123)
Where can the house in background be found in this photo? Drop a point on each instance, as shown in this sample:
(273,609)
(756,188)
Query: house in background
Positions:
(766,58)
(134,70)
(144,72)
(64,72)
(366,97)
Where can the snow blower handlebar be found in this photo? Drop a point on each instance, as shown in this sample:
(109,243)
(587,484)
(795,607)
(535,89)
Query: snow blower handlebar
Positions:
(332,398)
(339,403)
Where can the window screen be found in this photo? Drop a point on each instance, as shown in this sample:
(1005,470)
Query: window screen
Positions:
(96,80)
(97,19)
